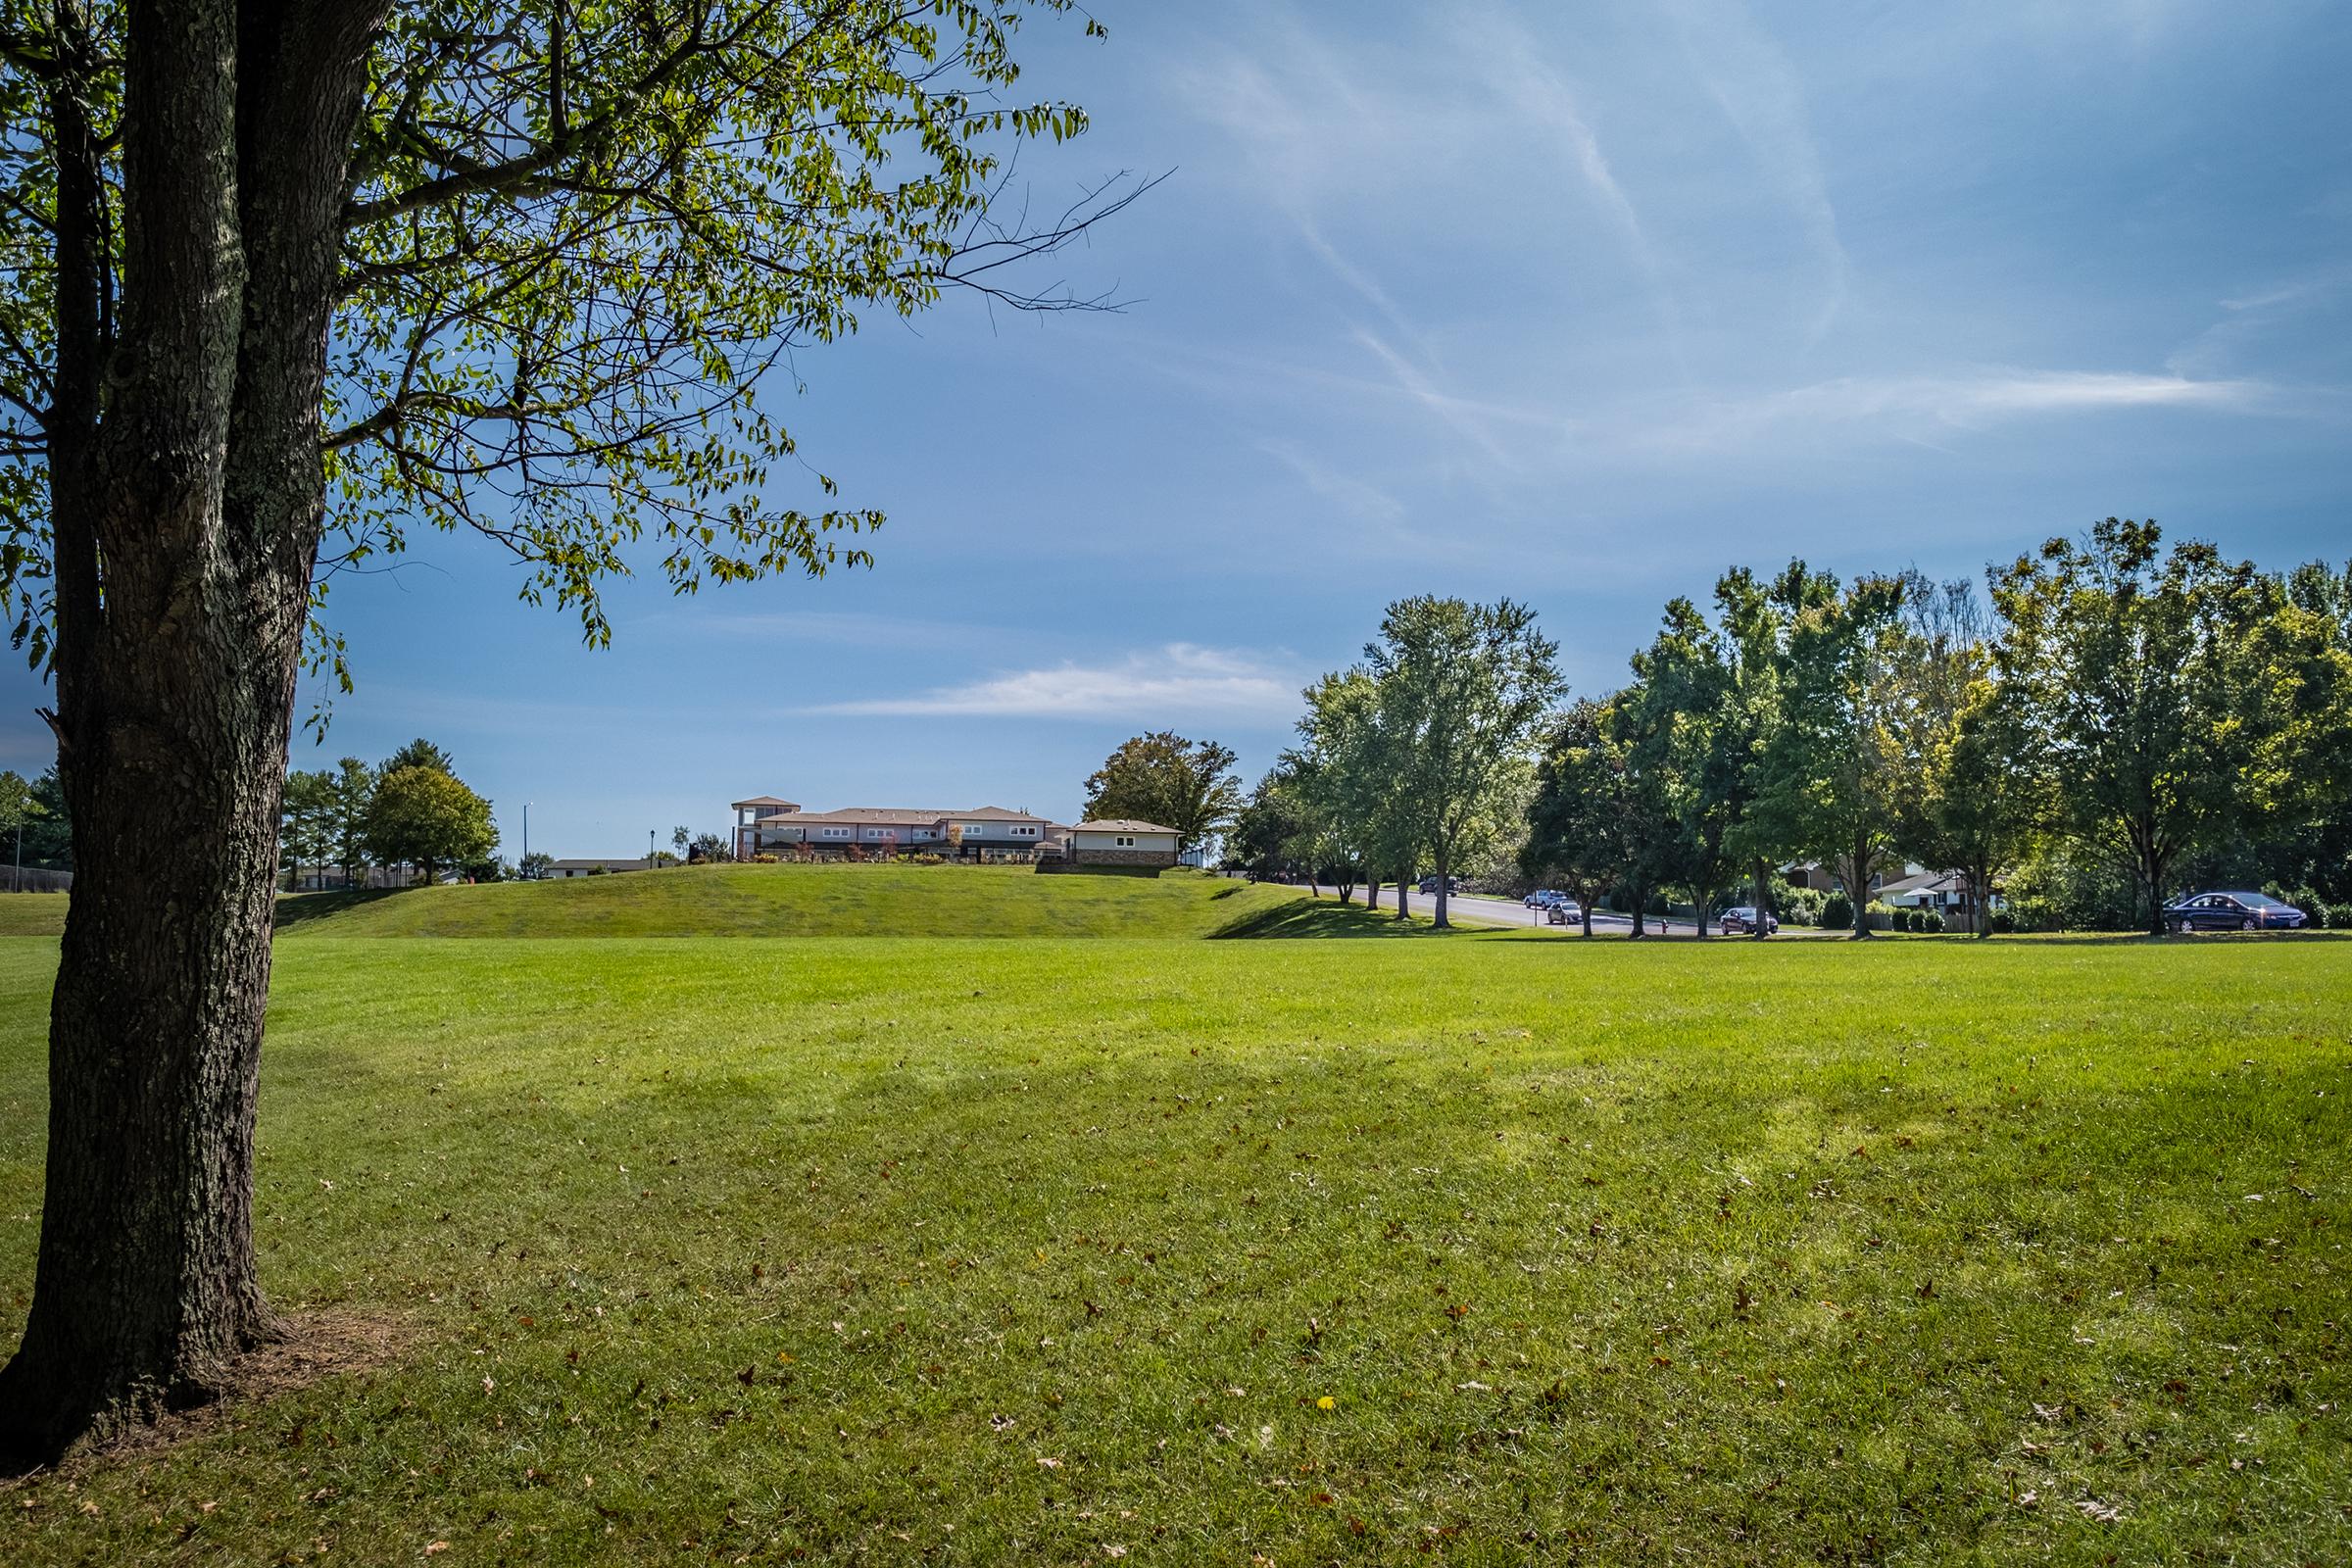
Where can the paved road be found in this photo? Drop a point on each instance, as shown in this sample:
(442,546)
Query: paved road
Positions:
(1470,909)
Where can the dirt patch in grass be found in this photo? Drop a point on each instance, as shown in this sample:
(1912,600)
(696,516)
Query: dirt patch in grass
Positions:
(319,1344)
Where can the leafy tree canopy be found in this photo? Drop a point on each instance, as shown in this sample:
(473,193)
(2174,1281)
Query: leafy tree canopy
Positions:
(1162,777)
(575,240)
(426,816)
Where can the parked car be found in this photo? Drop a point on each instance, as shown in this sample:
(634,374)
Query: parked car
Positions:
(1544,898)
(1742,921)
(1429,884)
(1564,910)
(2231,911)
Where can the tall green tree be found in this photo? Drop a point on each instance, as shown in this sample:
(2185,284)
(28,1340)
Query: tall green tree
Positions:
(291,277)
(426,817)
(49,834)
(1585,827)
(1829,777)
(1273,828)
(18,807)
(1348,782)
(307,836)
(1177,783)
(1462,692)
(1966,798)
(420,752)
(1702,707)
(2138,670)
(1987,806)
(353,793)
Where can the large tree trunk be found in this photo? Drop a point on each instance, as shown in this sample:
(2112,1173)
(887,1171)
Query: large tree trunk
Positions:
(1372,894)
(1763,926)
(1443,860)
(201,492)
(1405,911)
(1859,885)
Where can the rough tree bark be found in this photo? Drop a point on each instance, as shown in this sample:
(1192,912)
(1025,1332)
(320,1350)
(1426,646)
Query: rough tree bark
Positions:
(186,505)
(1859,886)
(1763,926)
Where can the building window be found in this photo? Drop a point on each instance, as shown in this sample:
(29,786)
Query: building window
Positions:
(1126,841)
(1024,832)
(837,832)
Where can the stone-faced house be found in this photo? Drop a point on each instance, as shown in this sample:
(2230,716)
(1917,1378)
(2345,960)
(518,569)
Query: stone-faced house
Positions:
(1117,841)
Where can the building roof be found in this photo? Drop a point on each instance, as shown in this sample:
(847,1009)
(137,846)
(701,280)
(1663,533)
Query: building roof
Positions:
(886,815)
(1921,882)
(861,813)
(768,800)
(1120,825)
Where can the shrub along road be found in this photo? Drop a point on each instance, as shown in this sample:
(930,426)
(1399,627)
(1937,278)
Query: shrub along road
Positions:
(1497,1249)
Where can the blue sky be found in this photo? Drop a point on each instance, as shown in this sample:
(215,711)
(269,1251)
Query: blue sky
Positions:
(1575,303)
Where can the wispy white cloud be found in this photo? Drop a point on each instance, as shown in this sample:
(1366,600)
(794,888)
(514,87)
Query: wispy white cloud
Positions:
(1457,415)
(1532,94)
(1350,491)
(2261,314)
(1364,284)
(1899,405)
(1178,681)
(1752,82)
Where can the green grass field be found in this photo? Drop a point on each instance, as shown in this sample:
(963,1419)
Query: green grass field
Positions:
(1487,1248)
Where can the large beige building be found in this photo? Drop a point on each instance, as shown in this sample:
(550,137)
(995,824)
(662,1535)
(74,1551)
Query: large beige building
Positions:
(767,824)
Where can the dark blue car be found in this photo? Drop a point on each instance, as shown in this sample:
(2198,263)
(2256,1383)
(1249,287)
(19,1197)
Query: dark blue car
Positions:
(2231,911)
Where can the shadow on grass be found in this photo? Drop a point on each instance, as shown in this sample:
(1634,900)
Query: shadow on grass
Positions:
(1317,918)
(297,909)
(2146,939)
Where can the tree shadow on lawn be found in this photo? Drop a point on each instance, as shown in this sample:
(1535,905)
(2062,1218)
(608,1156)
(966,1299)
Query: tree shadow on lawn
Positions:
(1319,917)
(297,909)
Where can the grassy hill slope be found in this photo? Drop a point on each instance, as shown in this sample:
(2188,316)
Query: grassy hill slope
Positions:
(797,900)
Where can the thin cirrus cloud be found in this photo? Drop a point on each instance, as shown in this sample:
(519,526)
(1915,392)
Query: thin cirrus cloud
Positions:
(1892,405)
(1180,680)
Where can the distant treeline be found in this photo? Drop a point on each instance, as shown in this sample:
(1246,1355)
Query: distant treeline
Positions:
(2107,723)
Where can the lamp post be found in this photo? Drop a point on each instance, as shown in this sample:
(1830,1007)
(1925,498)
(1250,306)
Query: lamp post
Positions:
(526,838)
(649,847)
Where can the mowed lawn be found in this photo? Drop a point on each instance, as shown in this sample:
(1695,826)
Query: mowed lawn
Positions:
(1489,1249)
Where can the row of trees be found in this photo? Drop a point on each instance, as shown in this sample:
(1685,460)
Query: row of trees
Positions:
(2109,708)
(1418,756)
(411,810)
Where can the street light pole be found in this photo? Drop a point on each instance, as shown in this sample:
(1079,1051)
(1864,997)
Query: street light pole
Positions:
(526,838)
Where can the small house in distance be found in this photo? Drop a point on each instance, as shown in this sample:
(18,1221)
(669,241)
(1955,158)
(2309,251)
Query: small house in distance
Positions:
(1117,841)
(557,870)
